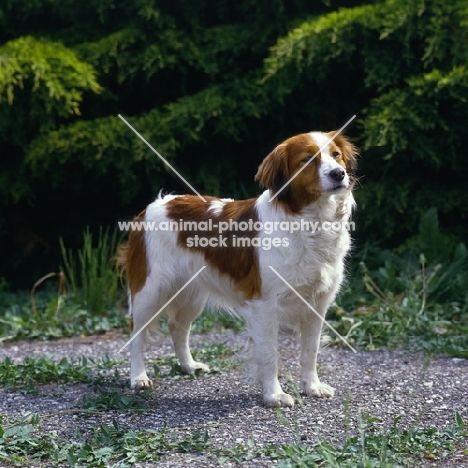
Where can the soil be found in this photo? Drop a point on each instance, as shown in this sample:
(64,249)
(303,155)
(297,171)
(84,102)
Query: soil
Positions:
(425,391)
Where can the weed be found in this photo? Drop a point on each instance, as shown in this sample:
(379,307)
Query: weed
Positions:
(23,441)
(294,389)
(369,449)
(19,443)
(113,400)
(209,321)
(216,355)
(415,298)
(34,371)
(402,317)
(90,271)
(56,317)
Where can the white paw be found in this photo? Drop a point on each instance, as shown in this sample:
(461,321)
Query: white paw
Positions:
(141,383)
(278,399)
(193,366)
(318,389)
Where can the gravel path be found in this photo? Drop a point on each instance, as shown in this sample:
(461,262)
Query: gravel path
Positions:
(386,384)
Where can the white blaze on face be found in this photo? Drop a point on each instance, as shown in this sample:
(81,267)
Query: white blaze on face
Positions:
(328,163)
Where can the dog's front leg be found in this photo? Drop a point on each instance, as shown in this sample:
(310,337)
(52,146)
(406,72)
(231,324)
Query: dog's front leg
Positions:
(311,327)
(264,332)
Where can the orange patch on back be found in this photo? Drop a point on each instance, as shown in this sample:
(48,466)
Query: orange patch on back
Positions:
(240,263)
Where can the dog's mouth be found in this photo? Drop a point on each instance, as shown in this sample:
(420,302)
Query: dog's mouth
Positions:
(338,187)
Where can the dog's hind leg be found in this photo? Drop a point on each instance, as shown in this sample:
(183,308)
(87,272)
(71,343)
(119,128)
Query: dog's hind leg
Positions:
(143,309)
(179,320)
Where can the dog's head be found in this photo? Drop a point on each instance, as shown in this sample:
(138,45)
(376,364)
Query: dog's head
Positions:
(311,165)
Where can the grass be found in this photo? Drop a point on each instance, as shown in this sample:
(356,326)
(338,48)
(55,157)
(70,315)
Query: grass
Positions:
(27,375)
(92,304)
(113,400)
(56,317)
(415,297)
(209,321)
(91,273)
(370,448)
(32,372)
(403,311)
(22,441)
(216,355)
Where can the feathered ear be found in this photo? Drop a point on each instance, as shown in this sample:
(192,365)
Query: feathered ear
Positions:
(273,173)
(348,150)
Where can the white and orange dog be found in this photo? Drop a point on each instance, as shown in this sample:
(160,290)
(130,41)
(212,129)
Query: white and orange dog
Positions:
(238,277)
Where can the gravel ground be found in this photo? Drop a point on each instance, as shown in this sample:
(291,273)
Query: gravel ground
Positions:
(386,384)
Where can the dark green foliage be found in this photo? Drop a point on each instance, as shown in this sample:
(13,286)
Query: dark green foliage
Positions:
(214,85)
(407,62)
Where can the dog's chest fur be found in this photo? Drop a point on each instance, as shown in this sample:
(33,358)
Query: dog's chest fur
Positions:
(314,262)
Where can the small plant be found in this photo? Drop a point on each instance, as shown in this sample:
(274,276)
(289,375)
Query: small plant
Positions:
(416,297)
(217,321)
(368,449)
(35,371)
(113,400)
(56,317)
(90,272)
(19,442)
(23,440)
(216,355)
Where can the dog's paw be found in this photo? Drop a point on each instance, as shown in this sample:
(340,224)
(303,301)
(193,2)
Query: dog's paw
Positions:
(193,366)
(138,384)
(278,399)
(318,389)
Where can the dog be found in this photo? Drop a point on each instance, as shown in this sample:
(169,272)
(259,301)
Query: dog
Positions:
(255,260)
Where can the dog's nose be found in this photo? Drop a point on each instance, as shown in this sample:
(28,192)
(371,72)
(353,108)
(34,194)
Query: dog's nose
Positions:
(337,174)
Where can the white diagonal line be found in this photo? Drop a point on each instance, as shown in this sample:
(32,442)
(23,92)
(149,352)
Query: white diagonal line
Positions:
(158,154)
(313,157)
(312,309)
(162,308)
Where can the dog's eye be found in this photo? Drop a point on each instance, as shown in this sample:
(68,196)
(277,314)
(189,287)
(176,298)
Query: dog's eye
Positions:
(307,159)
(336,155)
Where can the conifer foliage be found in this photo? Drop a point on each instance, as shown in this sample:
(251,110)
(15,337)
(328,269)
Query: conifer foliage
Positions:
(214,85)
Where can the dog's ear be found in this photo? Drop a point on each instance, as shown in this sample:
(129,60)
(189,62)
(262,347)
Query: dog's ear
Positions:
(348,150)
(273,173)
